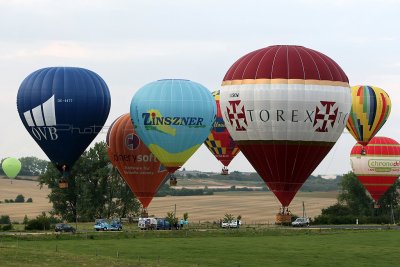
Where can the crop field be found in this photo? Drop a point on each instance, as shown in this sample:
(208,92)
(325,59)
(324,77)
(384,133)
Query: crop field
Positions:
(254,207)
(29,189)
(243,247)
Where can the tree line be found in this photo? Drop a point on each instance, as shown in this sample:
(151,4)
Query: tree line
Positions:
(355,205)
(96,190)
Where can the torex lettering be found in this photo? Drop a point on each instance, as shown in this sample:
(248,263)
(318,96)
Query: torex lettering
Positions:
(320,118)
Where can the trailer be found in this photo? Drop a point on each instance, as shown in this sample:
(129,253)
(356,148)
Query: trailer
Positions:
(147,223)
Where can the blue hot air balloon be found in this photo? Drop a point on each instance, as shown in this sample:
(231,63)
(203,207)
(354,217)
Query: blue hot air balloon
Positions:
(63,109)
(173,118)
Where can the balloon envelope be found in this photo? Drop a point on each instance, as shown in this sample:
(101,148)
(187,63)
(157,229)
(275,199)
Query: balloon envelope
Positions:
(370,109)
(173,118)
(219,141)
(379,168)
(11,167)
(63,109)
(137,165)
(285,106)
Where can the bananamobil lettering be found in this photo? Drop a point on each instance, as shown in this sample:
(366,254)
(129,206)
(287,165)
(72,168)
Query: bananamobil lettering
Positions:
(153,120)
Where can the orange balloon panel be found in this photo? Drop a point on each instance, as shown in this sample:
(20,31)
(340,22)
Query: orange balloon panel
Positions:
(137,165)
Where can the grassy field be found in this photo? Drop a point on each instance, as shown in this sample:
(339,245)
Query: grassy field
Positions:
(244,247)
(254,207)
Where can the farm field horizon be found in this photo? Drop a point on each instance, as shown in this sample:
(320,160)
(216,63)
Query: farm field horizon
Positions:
(254,207)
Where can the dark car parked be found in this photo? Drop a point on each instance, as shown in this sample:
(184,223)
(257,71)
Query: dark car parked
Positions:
(163,224)
(63,227)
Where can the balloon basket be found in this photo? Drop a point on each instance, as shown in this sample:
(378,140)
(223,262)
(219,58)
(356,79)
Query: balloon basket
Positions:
(283,219)
(173,181)
(224,172)
(377,206)
(144,213)
(63,184)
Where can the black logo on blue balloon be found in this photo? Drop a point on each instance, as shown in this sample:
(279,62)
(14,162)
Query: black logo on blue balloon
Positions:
(219,125)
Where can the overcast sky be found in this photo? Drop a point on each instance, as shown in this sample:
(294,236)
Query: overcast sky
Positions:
(131,43)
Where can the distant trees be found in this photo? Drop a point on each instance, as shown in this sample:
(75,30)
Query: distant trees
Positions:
(95,189)
(32,166)
(5,219)
(20,199)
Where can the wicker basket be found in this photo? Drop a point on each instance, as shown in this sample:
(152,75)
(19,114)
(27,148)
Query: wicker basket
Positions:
(63,184)
(283,218)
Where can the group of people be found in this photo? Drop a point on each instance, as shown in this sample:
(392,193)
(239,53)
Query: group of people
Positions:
(282,211)
(179,224)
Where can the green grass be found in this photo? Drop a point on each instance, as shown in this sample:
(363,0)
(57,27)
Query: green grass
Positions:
(246,247)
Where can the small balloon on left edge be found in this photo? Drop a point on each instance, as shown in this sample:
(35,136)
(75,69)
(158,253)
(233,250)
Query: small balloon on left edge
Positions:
(63,109)
(11,167)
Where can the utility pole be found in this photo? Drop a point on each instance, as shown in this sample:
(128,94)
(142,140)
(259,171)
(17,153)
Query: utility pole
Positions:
(175,211)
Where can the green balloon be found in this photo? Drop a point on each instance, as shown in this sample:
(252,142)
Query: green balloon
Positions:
(11,167)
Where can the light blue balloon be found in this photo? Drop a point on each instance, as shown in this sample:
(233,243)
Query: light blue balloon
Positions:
(173,117)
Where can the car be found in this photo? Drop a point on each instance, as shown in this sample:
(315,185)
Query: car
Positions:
(104,225)
(116,225)
(63,227)
(231,224)
(300,222)
(163,224)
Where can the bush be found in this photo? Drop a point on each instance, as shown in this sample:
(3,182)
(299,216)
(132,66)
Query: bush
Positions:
(29,200)
(42,222)
(7,227)
(26,220)
(20,199)
(5,219)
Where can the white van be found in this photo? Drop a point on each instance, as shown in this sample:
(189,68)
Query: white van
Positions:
(147,223)
(231,224)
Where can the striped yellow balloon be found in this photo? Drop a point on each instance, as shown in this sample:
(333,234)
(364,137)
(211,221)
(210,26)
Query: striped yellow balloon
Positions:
(369,111)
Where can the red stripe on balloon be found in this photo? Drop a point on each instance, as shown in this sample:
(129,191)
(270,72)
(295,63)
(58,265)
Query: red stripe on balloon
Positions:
(286,62)
(284,166)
